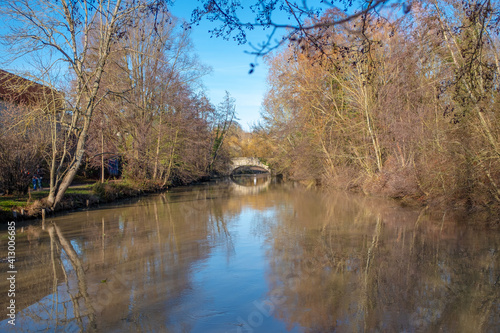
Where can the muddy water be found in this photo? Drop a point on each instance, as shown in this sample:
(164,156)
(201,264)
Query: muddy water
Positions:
(255,256)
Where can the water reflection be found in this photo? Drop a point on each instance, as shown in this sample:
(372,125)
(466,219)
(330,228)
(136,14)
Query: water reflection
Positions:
(350,266)
(215,258)
(251,184)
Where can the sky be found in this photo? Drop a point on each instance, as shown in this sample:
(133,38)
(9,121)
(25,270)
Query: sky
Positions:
(230,66)
(230,63)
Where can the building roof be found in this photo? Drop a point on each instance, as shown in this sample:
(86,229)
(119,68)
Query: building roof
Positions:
(18,90)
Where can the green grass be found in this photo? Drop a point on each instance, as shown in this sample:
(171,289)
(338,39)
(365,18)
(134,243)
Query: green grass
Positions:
(80,189)
(7,202)
(93,191)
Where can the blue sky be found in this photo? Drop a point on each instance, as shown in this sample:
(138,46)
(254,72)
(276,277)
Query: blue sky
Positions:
(230,66)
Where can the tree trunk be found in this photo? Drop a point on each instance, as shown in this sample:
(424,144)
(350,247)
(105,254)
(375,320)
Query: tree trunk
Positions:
(53,167)
(373,136)
(169,169)
(157,156)
(102,157)
(88,109)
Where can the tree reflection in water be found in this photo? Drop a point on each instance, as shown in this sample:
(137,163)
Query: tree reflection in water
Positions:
(118,267)
(214,258)
(354,267)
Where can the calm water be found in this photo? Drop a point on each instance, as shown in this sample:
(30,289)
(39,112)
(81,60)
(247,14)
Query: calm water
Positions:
(255,257)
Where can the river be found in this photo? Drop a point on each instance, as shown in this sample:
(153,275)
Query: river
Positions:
(255,256)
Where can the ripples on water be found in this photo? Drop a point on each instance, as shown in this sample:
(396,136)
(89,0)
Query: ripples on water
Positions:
(256,256)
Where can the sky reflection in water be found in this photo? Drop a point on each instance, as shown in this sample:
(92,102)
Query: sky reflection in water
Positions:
(257,256)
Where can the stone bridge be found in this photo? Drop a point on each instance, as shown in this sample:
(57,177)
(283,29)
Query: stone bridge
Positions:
(246,161)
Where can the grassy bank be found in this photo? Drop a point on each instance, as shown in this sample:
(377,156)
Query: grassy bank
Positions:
(77,196)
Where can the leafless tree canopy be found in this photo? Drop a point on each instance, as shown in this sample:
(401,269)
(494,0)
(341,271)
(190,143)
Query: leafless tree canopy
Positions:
(288,21)
(407,107)
(130,85)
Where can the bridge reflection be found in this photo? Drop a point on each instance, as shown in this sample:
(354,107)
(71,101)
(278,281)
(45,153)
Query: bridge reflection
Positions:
(250,184)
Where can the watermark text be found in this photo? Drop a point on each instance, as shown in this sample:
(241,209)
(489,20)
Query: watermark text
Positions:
(11,272)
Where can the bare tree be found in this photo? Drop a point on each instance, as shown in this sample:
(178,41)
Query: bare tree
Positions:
(222,119)
(23,130)
(153,75)
(61,32)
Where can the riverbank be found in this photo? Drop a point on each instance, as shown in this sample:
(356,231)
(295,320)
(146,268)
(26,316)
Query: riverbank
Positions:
(30,206)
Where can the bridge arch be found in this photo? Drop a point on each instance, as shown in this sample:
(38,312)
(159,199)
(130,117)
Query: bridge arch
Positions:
(238,162)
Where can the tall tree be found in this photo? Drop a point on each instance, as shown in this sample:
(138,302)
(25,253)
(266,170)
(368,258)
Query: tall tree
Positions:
(221,121)
(61,32)
(153,77)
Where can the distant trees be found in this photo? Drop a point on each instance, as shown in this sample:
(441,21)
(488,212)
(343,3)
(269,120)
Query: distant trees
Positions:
(154,110)
(24,137)
(68,34)
(20,151)
(131,90)
(221,119)
(406,107)
(240,143)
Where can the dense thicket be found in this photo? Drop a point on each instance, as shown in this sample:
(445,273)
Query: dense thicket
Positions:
(20,152)
(151,117)
(405,106)
(146,110)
